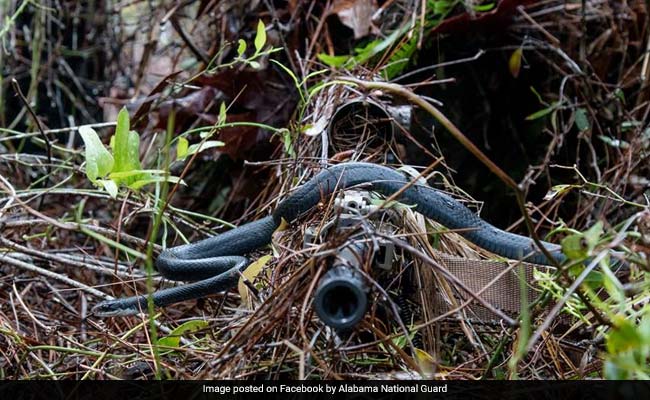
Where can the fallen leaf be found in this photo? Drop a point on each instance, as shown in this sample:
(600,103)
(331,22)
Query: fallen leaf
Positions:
(250,273)
(425,361)
(514,64)
(356,15)
(174,337)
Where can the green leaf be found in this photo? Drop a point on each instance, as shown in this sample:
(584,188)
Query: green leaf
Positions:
(620,95)
(624,336)
(155,179)
(401,341)
(260,37)
(484,7)
(612,285)
(405,52)
(333,61)
(441,7)
(126,150)
(254,64)
(629,125)
(612,371)
(121,141)
(287,140)
(181,148)
(377,46)
(109,185)
(559,189)
(582,122)
(595,280)
(616,143)
(593,234)
(241,47)
(579,245)
(199,147)
(133,157)
(644,328)
(313,74)
(222,114)
(99,162)
(136,172)
(133,150)
(542,113)
(574,247)
(174,337)
(539,96)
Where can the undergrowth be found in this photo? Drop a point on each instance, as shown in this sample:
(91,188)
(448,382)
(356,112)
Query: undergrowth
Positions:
(86,206)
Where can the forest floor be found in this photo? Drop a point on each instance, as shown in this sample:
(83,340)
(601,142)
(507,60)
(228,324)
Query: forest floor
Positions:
(128,127)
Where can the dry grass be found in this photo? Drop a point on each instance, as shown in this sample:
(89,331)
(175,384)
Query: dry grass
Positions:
(66,246)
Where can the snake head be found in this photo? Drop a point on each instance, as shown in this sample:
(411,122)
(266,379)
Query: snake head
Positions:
(113,308)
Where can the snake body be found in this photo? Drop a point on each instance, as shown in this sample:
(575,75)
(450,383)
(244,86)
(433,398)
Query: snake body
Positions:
(215,262)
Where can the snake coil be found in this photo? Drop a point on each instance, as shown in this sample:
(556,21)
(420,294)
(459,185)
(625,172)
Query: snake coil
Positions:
(215,262)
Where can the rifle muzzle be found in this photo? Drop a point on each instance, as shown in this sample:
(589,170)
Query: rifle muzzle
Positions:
(341,298)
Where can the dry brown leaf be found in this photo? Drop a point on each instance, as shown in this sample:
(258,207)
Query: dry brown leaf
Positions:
(356,15)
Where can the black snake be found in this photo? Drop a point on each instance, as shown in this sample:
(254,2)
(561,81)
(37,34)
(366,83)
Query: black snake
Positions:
(215,262)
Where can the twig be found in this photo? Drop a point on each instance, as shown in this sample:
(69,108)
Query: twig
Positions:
(12,195)
(19,297)
(54,275)
(188,41)
(546,33)
(80,227)
(48,145)
(440,65)
(66,261)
